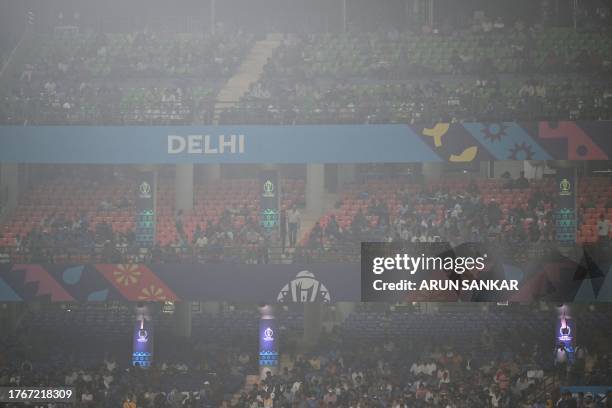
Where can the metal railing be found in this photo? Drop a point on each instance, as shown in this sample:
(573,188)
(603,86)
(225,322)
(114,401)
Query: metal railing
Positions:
(242,254)
(272,253)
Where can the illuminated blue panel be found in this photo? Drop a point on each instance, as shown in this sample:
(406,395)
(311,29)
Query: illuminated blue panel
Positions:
(268,343)
(143,340)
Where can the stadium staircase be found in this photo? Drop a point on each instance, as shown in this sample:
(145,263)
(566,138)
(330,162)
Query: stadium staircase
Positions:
(249,72)
(13,66)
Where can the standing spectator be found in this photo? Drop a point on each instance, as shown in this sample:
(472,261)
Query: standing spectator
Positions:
(316,236)
(178,223)
(174,398)
(293,223)
(561,359)
(522,181)
(603,228)
(332,230)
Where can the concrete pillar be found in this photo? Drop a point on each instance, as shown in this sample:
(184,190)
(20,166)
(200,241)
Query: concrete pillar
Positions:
(9,185)
(484,169)
(143,333)
(182,314)
(432,172)
(315,187)
(312,323)
(344,16)
(269,355)
(213,15)
(183,187)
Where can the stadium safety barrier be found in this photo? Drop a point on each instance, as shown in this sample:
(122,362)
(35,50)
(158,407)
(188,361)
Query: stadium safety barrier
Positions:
(551,277)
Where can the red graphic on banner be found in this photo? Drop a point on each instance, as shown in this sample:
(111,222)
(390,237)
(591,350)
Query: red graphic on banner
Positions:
(46,285)
(579,145)
(137,282)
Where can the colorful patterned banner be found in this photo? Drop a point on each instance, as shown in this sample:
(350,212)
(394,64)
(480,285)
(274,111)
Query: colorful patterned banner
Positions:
(553,277)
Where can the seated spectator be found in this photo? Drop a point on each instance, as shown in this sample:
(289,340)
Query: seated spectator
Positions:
(105,205)
(521,182)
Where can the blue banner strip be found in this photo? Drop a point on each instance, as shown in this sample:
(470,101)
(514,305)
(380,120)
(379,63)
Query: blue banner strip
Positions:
(193,144)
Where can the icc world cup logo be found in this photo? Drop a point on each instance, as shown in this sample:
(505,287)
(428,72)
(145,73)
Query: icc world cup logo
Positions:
(268,334)
(142,336)
(268,189)
(303,289)
(145,190)
(565,187)
(565,333)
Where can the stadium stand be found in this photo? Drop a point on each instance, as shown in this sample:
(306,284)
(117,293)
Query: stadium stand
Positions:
(595,200)
(332,351)
(141,78)
(426,101)
(518,74)
(392,357)
(160,78)
(460,210)
(80,219)
(496,212)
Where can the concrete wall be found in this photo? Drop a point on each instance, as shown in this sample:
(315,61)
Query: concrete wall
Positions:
(513,167)
(432,172)
(346,174)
